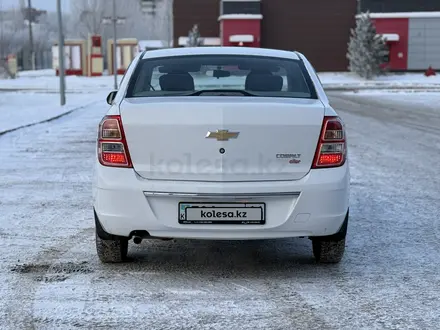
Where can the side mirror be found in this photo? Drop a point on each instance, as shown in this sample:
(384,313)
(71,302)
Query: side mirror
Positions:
(111,97)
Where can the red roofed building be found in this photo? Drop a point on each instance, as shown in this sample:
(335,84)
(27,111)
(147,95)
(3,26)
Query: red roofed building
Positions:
(319,29)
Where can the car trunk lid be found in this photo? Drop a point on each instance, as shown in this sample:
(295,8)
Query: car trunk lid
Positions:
(192,138)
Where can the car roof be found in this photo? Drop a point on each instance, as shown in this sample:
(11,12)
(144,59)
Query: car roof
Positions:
(185,51)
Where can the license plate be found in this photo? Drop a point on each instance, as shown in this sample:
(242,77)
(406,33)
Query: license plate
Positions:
(191,213)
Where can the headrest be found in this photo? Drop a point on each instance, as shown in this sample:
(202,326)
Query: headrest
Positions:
(263,82)
(176,82)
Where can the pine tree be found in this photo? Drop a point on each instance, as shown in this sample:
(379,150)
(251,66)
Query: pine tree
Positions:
(194,37)
(366,49)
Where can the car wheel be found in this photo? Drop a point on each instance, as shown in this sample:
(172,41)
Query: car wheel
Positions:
(111,251)
(328,251)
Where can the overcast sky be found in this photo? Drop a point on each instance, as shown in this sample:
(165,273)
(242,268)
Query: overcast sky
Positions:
(49,5)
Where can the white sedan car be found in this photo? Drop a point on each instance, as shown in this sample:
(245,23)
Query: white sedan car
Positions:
(221,143)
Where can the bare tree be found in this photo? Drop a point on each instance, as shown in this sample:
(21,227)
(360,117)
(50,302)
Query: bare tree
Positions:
(163,21)
(87,16)
(45,33)
(194,37)
(12,35)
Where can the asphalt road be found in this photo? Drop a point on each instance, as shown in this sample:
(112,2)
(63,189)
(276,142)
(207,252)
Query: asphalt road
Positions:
(50,277)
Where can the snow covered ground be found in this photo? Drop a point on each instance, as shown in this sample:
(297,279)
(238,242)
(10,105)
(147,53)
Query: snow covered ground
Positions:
(36,73)
(19,109)
(45,80)
(46,83)
(390,81)
(50,277)
(400,99)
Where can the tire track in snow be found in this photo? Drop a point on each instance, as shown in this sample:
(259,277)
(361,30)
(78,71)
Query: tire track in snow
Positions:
(20,303)
(174,286)
(56,181)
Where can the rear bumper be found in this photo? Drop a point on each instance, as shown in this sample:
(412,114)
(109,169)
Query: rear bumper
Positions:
(313,206)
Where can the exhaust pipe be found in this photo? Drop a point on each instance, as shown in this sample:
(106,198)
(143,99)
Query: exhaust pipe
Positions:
(137,240)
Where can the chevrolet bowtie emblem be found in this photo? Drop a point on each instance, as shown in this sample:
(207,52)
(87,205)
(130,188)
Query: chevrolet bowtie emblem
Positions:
(222,135)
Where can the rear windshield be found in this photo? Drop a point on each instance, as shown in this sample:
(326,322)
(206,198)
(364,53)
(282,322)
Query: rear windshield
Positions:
(226,75)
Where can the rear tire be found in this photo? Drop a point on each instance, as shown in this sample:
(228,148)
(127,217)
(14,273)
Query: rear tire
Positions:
(111,251)
(328,251)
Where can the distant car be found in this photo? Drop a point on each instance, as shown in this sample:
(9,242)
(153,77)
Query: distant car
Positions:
(191,150)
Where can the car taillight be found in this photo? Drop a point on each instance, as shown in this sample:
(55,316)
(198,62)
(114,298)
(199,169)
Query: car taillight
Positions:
(331,149)
(112,145)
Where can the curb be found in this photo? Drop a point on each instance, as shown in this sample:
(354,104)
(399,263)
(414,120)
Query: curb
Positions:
(48,119)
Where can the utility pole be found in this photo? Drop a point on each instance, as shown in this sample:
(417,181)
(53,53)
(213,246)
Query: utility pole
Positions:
(115,67)
(61,54)
(170,24)
(359,7)
(115,20)
(31,36)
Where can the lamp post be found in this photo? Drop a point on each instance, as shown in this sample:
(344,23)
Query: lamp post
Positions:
(61,54)
(31,36)
(115,20)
